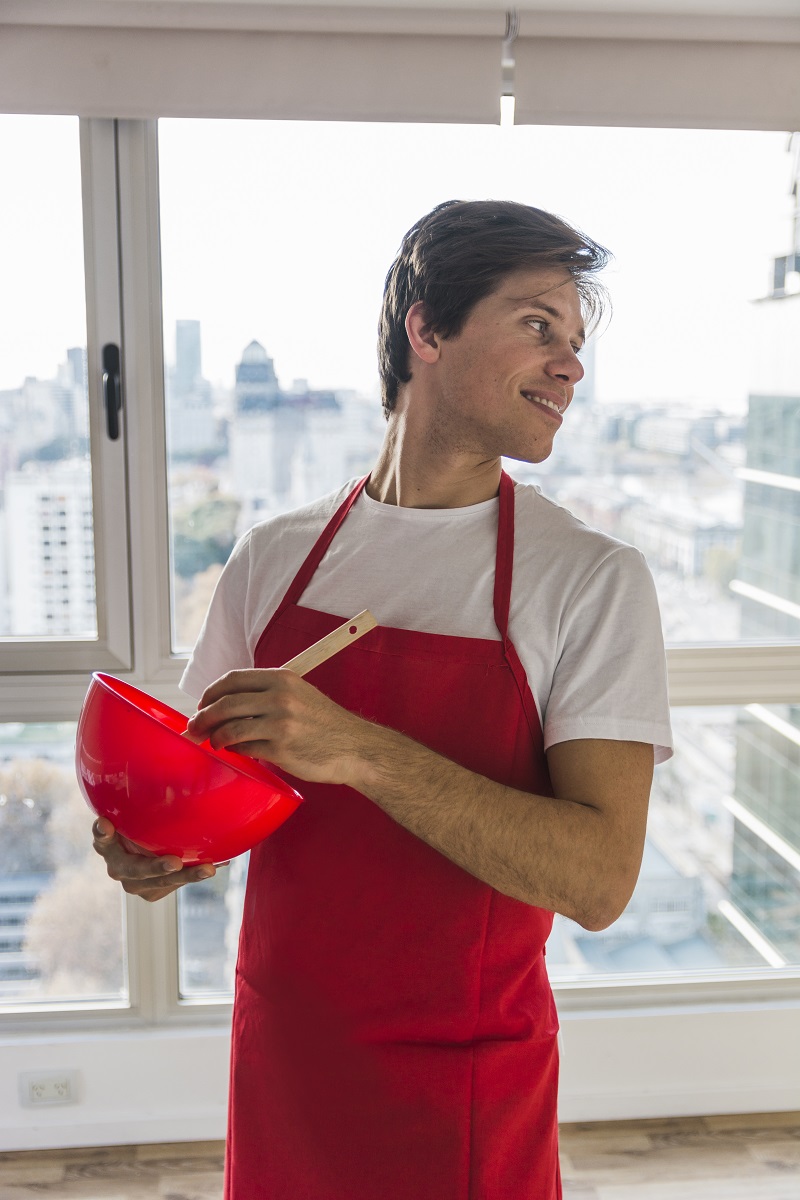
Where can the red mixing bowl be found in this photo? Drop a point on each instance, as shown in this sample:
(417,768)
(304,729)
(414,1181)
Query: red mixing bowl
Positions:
(165,793)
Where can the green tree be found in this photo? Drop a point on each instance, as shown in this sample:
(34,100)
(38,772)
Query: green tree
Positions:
(720,566)
(204,534)
(29,790)
(74,932)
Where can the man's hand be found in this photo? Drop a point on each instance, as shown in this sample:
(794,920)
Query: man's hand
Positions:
(276,716)
(140,875)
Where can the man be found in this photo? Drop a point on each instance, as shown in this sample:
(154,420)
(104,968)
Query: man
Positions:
(479,761)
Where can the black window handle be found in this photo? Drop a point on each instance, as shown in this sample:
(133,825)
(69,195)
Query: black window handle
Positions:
(112,389)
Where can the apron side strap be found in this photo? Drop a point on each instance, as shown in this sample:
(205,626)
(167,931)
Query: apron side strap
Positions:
(524,689)
(504,560)
(503,574)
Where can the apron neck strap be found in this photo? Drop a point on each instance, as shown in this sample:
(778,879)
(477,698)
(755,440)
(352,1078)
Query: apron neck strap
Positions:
(504,561)
(306,572)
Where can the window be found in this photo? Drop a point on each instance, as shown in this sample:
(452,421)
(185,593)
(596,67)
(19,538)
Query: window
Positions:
(61,931)
(62,608)
(58,471)
(718,889)
(268,406)
(45,403)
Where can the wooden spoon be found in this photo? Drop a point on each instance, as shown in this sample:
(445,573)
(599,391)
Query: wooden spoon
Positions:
(332,643)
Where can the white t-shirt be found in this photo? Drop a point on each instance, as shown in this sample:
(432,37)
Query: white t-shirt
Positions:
(584,615)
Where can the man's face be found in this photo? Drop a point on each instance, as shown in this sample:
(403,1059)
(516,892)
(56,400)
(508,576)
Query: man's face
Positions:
(499,382)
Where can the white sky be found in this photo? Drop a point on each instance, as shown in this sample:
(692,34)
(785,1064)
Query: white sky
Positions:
(284,231)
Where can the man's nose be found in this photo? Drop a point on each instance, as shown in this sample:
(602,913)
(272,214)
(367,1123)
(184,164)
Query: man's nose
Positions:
(566,367)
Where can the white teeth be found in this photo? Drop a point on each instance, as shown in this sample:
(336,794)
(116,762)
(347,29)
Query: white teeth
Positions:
(542,400)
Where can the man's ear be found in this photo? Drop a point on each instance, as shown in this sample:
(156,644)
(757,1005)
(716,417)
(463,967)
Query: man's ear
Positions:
(422,338)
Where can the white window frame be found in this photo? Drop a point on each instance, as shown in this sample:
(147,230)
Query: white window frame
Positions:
(28,665)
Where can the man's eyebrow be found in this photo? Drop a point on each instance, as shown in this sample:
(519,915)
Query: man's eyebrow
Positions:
(535,302)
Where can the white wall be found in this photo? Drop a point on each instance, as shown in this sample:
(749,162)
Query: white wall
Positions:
(171,1085)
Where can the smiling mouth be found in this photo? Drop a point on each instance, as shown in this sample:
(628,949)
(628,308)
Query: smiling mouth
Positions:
(543,402)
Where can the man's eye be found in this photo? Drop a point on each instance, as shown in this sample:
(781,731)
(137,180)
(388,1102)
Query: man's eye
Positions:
(577,349)
(539,321)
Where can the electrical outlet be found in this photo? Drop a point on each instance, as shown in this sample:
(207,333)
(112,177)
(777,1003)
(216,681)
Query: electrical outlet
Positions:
(48,1087)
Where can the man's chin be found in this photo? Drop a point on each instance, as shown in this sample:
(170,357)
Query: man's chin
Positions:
(537,455)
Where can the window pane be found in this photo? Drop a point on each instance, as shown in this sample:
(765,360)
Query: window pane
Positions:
(719,888)
(684,436)
(61,919)
(209,917)
(46,536)
(721,536)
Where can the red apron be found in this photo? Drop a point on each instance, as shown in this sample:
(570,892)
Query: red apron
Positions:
(394,1032)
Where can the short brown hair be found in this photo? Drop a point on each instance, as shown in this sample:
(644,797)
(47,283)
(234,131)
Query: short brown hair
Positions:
(457,254)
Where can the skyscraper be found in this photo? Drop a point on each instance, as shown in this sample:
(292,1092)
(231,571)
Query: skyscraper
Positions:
(765,883)
(51,550)
(286,446)
(188,370)
(257,388)
(191,425)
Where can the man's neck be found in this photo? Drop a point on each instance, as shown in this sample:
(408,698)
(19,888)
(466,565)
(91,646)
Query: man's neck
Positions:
(413,471)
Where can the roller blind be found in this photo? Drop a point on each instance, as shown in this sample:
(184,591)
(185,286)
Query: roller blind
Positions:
(132,72)
(739,76)
(149,58)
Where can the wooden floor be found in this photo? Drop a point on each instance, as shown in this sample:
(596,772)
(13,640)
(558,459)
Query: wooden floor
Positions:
(704,1158)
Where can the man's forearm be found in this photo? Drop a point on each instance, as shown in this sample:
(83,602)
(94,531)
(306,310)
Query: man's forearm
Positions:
(537,849)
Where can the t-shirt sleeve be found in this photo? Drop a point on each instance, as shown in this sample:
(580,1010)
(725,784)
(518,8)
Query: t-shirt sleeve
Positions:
(611,678)
(222,644)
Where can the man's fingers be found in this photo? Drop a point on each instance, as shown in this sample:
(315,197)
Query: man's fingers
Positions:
(152,878)
(138,874)
(240,706)
(102,829)
(156,888)
(243,735)
(264,751)
(235,682)
(123,865)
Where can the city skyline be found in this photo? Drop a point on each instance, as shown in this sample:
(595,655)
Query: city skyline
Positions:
(681,525)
